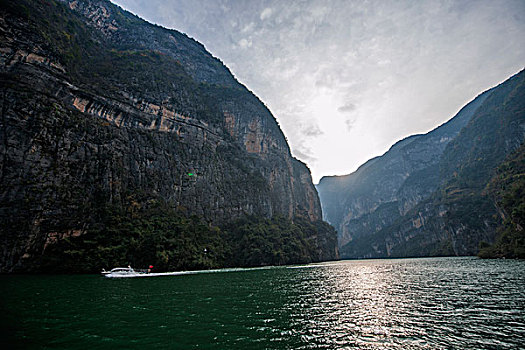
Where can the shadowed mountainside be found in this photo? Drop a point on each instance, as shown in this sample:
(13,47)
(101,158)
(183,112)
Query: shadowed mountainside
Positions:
(105,118)
(426,195)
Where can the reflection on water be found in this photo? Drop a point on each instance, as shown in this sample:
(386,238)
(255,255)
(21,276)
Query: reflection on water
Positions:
(413,303)
(438,303)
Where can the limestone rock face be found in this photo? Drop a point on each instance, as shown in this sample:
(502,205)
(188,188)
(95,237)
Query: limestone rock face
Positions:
(425,195)
(98,105)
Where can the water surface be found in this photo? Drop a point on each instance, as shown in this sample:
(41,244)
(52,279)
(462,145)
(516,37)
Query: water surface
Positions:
(436,303)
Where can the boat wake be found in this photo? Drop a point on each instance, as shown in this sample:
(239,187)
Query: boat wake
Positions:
(133,273)
(123,272)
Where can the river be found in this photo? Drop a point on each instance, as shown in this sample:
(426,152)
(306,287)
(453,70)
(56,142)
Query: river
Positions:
(429,303)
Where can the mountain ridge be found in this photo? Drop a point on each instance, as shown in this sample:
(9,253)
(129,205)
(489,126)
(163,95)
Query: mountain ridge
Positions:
(362,211)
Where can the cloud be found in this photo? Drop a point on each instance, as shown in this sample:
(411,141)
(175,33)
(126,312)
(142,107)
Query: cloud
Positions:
(312,130)
(349,124)
(347,108)
(304,154)
(325,82)
(245,43)
(266,13)
(248,28)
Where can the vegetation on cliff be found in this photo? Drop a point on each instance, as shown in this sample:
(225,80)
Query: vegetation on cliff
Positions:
(156,234)
(507,188)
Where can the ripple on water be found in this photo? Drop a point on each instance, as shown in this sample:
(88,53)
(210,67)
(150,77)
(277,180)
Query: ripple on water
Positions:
(439,303)
(412,303)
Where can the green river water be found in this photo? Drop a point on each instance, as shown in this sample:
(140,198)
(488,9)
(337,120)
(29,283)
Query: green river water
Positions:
(434,303)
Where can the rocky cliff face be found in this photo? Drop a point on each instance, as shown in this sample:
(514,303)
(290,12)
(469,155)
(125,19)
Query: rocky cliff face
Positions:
(389,186)
(99,106)
(507,188)
(420,198)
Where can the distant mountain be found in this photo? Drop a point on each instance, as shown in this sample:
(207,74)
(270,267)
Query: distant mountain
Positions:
(426,195)
(125,142)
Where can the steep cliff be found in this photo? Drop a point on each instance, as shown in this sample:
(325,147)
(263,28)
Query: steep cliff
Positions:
(102,109)
(388,186)
(507,188)
(425,195)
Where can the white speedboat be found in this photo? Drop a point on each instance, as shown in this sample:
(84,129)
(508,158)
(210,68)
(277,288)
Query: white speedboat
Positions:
(123,272)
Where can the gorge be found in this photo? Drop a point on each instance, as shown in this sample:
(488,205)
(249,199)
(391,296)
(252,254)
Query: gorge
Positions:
(123,142)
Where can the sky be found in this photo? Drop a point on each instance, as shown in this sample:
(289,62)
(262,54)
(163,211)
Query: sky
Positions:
(347,79)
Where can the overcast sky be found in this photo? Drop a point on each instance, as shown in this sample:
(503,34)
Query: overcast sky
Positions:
(347,79)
